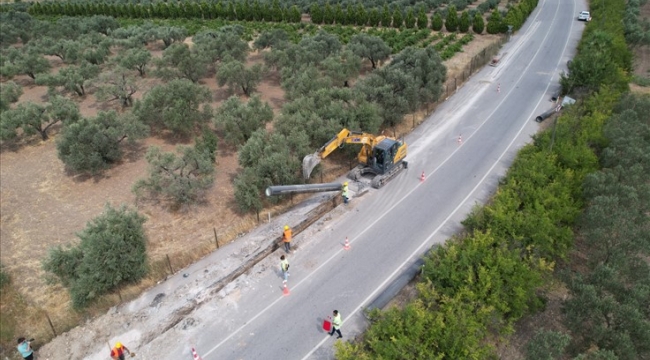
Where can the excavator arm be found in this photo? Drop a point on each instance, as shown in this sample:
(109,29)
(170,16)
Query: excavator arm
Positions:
(344,136)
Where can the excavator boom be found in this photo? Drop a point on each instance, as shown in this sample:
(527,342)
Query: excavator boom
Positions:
(379,155)
(344,136)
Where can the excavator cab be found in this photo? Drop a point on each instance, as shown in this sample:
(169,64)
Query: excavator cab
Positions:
(385,155)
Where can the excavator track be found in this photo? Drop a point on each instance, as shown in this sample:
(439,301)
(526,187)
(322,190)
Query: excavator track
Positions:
(381,180)
(377,181)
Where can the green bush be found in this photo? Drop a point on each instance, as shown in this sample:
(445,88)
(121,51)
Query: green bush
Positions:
(112,252)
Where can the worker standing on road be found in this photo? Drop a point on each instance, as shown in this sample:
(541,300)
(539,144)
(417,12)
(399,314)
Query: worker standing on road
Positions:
(284,266)
(117,353)
(336,324)
(286,238)
(345,193)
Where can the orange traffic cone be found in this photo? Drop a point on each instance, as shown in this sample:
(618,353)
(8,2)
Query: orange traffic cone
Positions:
(422,176)
(285,289)
(346,246)
(195,356)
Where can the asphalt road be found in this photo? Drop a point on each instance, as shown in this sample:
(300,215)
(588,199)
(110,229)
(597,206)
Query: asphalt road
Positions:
(390,228)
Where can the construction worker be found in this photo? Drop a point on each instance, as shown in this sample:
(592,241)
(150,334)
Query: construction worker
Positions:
(286,238)
(284,266)
(345,193)
(25,348)
(117,353)
(336,324)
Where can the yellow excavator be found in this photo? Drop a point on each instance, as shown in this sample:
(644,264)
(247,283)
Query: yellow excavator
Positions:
(380,156)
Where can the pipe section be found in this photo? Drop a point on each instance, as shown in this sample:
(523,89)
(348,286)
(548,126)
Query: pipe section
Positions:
(299,189)
(545,115)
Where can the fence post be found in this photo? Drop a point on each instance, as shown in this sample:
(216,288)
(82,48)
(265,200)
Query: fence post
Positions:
(170,264)
(216,239)
(50,322)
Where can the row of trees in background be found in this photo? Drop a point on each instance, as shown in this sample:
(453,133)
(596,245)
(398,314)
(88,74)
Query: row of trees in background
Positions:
(274,12)
(303,5)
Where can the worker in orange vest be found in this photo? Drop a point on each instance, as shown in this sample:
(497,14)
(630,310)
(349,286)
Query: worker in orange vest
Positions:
(117,353)
(286,238)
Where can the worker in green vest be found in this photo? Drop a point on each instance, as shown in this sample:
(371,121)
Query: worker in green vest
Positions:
(284,266)
(345,193)
(336,324)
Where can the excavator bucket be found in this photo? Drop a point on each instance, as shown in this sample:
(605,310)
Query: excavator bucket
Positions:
(309,163)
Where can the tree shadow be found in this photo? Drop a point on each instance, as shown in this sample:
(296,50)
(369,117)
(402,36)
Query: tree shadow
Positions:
(78,177)
(221,94)
(133,152)
(173,138)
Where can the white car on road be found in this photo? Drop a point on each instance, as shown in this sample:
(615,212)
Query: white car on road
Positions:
(584,16)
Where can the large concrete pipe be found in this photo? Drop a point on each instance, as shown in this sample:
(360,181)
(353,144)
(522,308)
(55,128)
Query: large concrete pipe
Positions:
(545,115)
(298,189)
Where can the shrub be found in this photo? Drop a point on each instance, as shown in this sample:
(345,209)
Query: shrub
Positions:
(112,252)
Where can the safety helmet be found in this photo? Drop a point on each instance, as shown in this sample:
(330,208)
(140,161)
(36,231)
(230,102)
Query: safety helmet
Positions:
(118,345)
(286,227)
(345,183)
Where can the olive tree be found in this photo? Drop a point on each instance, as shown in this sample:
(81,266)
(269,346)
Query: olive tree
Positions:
(426,70)
(181,62)
(239,120)
(270,39)
(69,51)
(28,61)
(268,158)
(34,118)
(181,178)
(9,93)
(118,84)
(91,145)
(135,59)
(112,251)
(369,47)
(303,82)
(175,106)
(248,194)
(237,76)
(393,90)
(72,78)
(218,45)
(171,34)
(342,67)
